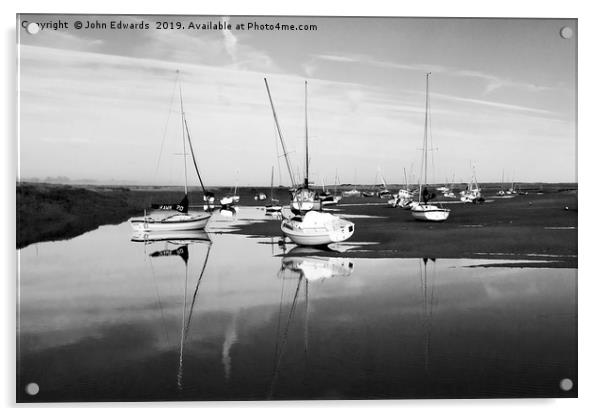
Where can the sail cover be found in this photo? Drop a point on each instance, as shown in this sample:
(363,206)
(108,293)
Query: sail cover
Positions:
(427,195)
(180,207)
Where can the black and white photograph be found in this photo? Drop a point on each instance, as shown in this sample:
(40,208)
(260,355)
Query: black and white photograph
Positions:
(276,208)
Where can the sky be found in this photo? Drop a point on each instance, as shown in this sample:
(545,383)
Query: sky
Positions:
(103,104)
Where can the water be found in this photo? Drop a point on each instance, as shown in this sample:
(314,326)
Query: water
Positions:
(103,318)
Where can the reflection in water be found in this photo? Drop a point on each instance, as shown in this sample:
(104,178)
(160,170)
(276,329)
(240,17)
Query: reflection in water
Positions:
(98,314)
(177,244)
(229,210)
(296,265)
(230,339)
(428,301)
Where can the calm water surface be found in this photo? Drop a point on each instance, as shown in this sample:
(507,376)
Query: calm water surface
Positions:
(231,317)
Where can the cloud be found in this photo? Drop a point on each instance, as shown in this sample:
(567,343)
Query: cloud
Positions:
(230,41)
(492,104)
(120,104)
(493,82)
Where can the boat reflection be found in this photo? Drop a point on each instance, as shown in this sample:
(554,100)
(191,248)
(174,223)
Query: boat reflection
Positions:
(185,237)
(179,244)
(229,210)
(305,265)
(314,265)
(428,300)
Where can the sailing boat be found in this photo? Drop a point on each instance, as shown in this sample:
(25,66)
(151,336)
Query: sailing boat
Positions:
(307,226)
(233,198)
(424,211)
(383,193)
(404,196)
(501,192)
(353,192)
(450,189)
(473,192)
(182,219)
(327,198)
(274,205)
(303,198)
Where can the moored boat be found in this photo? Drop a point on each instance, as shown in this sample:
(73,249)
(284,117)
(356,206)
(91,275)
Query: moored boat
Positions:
(423,211)
(182,219)
(317,229)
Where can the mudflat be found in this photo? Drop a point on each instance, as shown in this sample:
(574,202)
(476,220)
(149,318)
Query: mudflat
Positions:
(538,226)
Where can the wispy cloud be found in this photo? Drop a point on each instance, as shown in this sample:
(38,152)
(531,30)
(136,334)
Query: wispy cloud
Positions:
(230,41)
(493,82)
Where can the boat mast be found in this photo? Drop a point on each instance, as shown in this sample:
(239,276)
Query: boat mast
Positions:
(288,165)
(306,183)
(424,147)
(272,186)
(183,140)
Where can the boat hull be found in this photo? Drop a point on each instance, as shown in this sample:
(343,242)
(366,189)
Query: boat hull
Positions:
(331,201)
(318,236)
(174,223)
(430,213)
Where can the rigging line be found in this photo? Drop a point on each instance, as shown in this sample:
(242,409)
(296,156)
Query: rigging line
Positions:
(284,338)
(196,289)
(159,301)
(430,117)
(288,165)
(277,155)
(277,349)
(171,100)
(183,117)
(181,362)
(306,319)
(193,157)
(306,142)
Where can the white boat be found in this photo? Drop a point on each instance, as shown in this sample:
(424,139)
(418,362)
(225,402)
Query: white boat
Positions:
(352,192)
(429,212)
(472,194)
(404,197)
(234,198)
(449,189)
(317,229)
(182,219)
(331,200)
(423,211)
(229,200)
(176,222)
